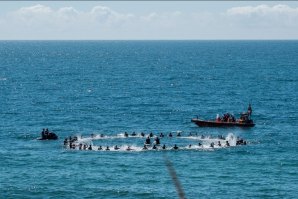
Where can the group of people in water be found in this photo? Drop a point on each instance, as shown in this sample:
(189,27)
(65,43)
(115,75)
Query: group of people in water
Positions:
(72,143)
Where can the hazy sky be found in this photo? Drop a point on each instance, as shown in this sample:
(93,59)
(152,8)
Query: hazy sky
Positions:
(149,20)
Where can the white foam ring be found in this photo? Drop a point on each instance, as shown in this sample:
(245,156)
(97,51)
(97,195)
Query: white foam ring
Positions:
(205,143)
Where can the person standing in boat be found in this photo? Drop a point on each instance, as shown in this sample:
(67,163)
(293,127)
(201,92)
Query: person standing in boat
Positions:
(249,110)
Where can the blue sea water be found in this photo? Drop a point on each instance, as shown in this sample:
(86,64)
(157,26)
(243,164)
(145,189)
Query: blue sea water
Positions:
(109,87)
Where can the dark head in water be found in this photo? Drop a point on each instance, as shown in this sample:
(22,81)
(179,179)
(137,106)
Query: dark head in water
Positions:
(175,147)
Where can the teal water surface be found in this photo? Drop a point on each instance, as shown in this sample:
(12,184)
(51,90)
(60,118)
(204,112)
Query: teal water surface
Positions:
(109,87)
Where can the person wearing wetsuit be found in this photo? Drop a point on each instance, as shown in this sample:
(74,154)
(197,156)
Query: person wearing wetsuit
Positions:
(126,134)
(148,141)
(219,144)
(157,141)
(99,148)
(164,146)
(107,149)
(170,135)
(175,147)
(116,147)
(151,135)
(145,147)
(90,147)
(227,143)
(154,147)
(142,134)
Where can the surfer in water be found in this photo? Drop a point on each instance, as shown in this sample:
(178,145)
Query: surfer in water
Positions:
(90,147)
(116,147)
(107,149)
(227,143)
(99,148)
(164,146)
(125,134)
(175,147)
(148,141)
(157,141)
(128,148)
(154,147)
(219,144)
(145,147)
(170,135)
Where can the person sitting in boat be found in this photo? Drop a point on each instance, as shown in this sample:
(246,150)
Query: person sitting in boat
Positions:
(99,148)
(164,146)
(175,147)
(218,119)
(227,143)
(157,141)
(148,141)
(170,135)
(126,134)
(90,147)
(154,147)
(133,134)
(107,149)
(145,147)
(219,144)
(116,147)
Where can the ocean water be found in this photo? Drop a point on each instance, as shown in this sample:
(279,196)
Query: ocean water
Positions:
(111,87)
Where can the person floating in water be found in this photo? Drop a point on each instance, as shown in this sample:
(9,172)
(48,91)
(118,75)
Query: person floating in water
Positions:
(179,134)
(133,134)
(99,148)
(90,147)
(107,149)
(157,141)
(164,146)
(145,147)
(227,143)
(126,134)
(128,148)
(148,141)
(116,147)
(65,141)
(175,147)
(170,135)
